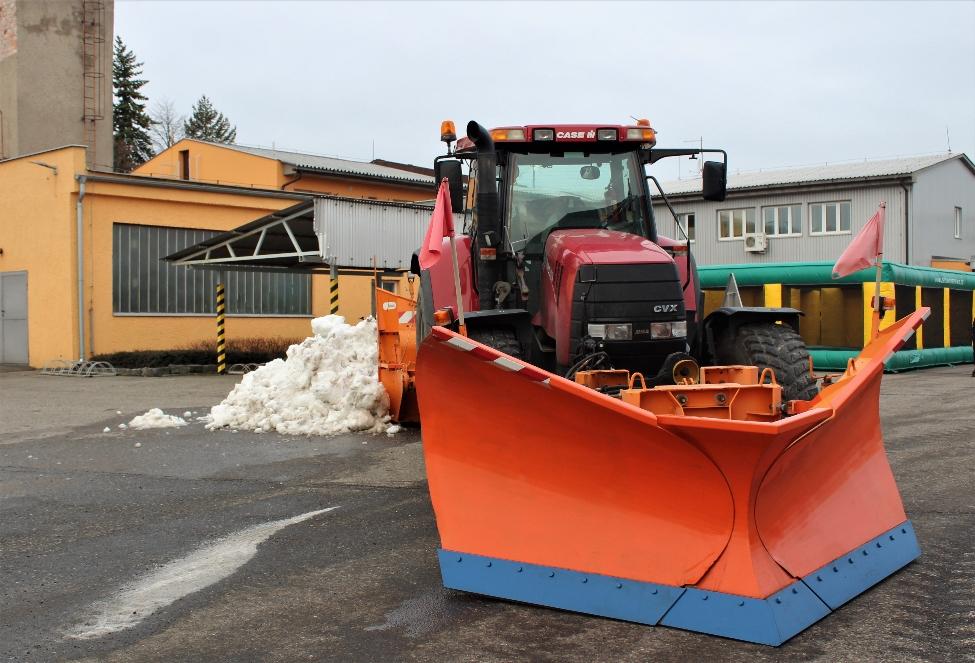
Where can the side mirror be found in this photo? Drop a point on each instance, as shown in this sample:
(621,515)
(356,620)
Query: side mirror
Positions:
(589,172)
(715,180)
(450,168)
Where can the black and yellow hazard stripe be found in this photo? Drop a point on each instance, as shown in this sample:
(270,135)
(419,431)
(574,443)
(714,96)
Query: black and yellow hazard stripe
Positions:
(333,289)
(221,344)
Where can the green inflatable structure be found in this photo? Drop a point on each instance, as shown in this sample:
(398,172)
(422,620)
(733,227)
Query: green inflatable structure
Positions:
(837,312)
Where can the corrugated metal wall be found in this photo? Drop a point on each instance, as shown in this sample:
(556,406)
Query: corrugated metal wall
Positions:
(355,232)
(709,250)
(936,193)
(143,283)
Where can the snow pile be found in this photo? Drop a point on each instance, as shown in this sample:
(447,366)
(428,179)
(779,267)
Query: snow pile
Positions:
(155,418)
(329,384)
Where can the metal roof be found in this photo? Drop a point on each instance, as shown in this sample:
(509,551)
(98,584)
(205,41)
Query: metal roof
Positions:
(334,165)
(858,170)
(280,240)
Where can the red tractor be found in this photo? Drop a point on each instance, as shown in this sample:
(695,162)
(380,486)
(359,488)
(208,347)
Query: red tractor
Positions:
(562,264)
(593,443)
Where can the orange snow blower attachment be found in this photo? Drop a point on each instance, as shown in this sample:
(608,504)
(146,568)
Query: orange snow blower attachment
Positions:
(699,506)
(396,319)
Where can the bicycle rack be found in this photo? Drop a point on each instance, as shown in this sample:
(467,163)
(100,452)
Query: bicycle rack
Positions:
(241,369)
(79,369)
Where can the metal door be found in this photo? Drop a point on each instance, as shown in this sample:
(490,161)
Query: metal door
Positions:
(13,317)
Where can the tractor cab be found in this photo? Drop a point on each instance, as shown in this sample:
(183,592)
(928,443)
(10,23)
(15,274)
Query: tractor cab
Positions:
(560,177)
(574,190)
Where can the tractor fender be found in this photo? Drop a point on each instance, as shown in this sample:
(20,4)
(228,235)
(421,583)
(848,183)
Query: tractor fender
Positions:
(437,281)
(518,319)
(727,319)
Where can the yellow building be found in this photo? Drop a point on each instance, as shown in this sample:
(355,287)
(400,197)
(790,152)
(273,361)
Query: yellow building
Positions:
(80,251)
(239,165)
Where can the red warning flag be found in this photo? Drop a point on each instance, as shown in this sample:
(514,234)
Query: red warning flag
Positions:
(865,249)
(441,225)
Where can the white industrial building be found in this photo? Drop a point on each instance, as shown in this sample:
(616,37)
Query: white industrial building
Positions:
(812,213)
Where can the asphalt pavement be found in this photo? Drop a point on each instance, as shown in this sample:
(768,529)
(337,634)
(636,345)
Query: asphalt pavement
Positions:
(86,515)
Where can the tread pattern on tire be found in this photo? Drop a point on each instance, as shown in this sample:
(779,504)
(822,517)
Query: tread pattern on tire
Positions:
(503,339)
(779,347)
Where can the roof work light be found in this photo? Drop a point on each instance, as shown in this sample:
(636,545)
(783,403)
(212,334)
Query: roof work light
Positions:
(645,134)
(509,133)
(448,134)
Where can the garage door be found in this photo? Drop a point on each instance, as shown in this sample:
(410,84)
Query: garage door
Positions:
(13,317)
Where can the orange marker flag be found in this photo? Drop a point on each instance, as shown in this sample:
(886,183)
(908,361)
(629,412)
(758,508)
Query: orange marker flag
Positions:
(865,249)
(441,225)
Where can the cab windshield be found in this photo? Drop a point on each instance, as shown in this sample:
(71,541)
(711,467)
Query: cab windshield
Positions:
(573,191)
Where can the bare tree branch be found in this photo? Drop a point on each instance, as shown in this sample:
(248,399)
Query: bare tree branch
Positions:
(167,124)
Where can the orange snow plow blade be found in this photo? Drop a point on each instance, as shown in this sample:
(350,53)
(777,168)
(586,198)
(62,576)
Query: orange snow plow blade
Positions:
(396,319)
(755,527)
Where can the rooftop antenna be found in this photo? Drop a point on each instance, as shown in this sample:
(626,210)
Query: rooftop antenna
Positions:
(700,142)
(948,138)
(373,149)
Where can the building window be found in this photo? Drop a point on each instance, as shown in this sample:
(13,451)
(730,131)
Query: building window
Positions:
(685,228)
(829,218)
(957,223)
(143,283)
(782,220)
(736,223)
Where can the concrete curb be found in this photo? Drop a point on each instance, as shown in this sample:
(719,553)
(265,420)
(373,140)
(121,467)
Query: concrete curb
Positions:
(172,369)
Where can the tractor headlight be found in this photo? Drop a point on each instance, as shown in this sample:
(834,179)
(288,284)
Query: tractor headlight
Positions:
(668,329)
(596,331)
(611,332)
(622,332)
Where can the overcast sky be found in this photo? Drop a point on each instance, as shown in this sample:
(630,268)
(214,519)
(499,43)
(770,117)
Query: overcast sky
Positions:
(776,84)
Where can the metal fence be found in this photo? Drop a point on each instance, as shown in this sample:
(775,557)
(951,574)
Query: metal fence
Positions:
(142,283)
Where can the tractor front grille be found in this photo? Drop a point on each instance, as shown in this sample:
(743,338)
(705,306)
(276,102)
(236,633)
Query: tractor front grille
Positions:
(639,294)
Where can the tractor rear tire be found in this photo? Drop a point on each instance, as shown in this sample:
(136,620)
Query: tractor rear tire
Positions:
(779,347)
(500,338)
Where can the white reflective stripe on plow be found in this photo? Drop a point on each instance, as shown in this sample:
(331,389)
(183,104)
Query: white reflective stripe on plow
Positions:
(203,567)
(460,343)
(507,364)
(406,317)
(908,333)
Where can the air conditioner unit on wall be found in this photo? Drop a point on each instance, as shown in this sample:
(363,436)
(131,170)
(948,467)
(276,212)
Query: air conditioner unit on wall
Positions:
(756,243)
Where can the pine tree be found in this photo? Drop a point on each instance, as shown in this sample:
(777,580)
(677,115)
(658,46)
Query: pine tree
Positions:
(130,122)
(207,123)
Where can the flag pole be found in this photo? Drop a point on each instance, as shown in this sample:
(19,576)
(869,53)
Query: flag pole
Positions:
(875,317)
(460,300)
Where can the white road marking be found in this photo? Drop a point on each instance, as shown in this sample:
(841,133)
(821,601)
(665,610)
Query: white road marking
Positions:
(201,568)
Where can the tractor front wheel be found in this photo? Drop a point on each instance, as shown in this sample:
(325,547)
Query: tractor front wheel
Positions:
(779,347)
